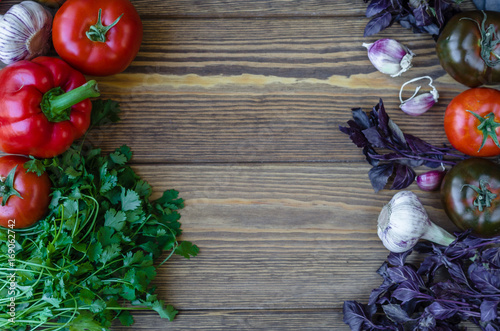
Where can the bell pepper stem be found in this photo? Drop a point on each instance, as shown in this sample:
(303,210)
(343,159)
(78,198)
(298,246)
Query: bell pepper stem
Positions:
(56,104)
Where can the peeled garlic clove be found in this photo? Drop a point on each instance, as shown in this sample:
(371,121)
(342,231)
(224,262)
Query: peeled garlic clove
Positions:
(418,104)
(25,32)
(389,56)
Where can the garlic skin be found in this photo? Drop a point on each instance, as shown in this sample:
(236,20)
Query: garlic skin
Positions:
(389,56)
(404,221)
(418,104)
(430,180)
(25,32)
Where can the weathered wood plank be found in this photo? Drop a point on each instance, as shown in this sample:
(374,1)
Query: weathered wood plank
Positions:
(276,236)
(279,320)
(260,91)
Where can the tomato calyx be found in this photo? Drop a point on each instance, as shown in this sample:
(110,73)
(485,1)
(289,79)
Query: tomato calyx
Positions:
(487,126)
(97,32)
(7,187)
(489,41)
(484,196)
(56,104)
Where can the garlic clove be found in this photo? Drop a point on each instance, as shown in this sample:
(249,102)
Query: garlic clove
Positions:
(430,180)
(389,56)
(25,32)
(418,104)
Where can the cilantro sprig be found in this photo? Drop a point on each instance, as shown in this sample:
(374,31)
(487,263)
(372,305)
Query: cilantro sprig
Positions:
(93,258)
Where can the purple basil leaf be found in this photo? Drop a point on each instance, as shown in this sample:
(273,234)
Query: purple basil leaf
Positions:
(396,314)
(492,255)
(378,23)
(373,137)
(379,175)
(421,16)
(382,118)
(405,274)
(489,310)
(456,272)
(381,294)
(398,259)
(485,280)
(397,135)
(361,118)
(357,315)
(408,291)
(371,156)
(404,177)
(376,6)
(441,311)
(355,134)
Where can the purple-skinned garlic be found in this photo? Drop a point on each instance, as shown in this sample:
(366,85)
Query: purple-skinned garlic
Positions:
(430,180)
(418,104)
(404,221)
(389,56)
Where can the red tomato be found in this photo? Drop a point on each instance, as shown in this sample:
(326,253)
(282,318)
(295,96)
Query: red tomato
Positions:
(472,122)
(97,37)
(24,196)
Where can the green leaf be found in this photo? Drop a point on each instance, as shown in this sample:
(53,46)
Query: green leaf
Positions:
(35,165)
(53,301)
(126,318)
(104,112)
(170,199)
(85,322)
(130,200)
(187,249)
(97,306)
(115,219)
(133,258)
(109,253)
(167,311)
(94,252)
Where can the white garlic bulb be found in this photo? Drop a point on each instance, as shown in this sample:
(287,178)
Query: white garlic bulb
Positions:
(25,32)
(404,221)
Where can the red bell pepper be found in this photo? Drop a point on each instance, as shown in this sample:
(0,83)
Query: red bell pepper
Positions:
(44,106)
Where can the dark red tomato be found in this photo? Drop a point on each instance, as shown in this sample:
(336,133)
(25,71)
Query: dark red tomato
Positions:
(24,196)
(472,122)
(470,194)
(468,48)
(97,37)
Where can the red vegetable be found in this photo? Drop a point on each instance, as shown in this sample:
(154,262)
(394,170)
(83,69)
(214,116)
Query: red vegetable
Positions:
(24,196)
(97,37)
(43,107)
(472,122)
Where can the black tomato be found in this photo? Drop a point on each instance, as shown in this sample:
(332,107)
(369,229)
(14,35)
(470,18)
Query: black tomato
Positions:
(470,194)
(469,48)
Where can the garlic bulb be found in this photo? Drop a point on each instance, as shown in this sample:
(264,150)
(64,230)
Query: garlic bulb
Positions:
(389,56)
(25,32)
(404,221)
(418,104)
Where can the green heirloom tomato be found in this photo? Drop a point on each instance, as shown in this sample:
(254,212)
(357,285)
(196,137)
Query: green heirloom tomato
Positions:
(469,50)
(470,194)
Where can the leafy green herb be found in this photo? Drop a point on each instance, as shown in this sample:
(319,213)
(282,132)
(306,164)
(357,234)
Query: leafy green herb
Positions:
(92,259)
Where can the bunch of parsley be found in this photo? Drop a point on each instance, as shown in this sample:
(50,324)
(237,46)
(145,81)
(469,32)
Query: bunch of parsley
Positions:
(92,259)
(455,283)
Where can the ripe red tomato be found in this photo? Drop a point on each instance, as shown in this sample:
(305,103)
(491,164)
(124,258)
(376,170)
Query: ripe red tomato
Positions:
(97,37)
(472,122)
(24,196)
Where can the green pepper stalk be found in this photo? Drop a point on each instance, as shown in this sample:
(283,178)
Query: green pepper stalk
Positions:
(56,104)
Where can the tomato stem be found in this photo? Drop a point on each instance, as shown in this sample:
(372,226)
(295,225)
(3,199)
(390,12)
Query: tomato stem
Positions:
(489,41)
(484,196)
(487,126)
(7,187)
(97,32)
(56,104)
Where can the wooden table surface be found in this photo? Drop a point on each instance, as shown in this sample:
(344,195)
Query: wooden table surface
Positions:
(237,104)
